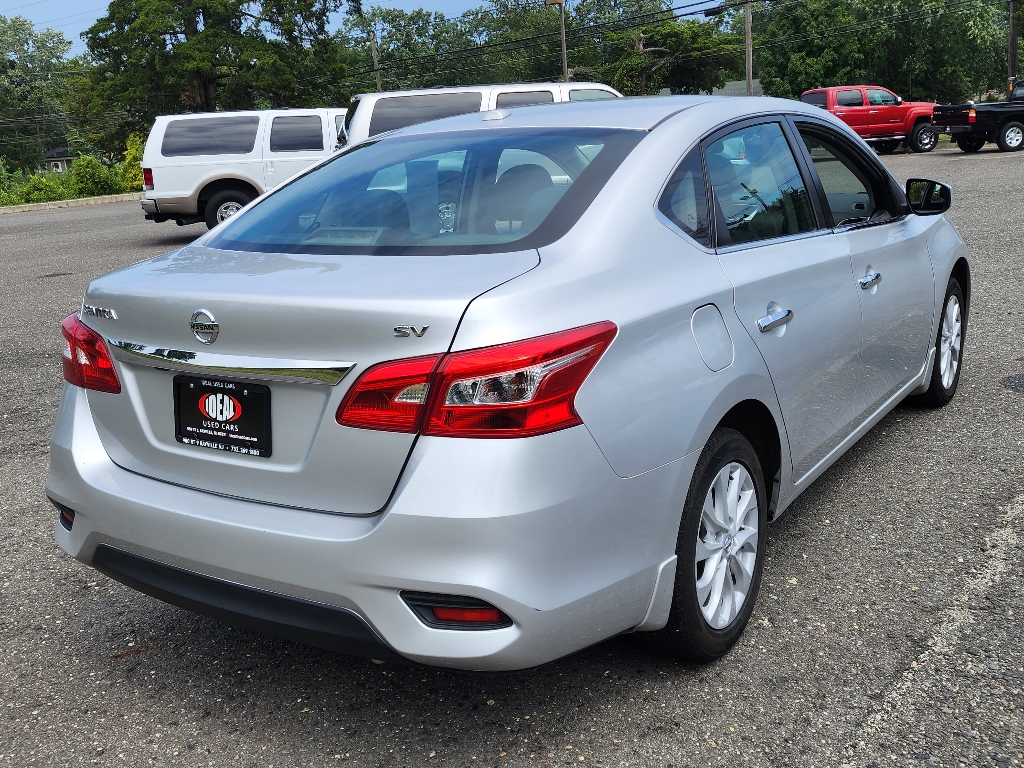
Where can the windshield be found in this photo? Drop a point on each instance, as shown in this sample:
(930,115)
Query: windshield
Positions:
(459,192)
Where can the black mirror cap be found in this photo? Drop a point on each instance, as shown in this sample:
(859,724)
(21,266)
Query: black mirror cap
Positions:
(927,197)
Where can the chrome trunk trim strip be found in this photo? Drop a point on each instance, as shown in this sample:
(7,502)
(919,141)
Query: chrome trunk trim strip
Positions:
(231,366)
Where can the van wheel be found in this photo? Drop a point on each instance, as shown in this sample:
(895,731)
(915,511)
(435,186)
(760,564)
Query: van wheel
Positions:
(970,143)
(922,139)
(1011,137)
(224,205)
(721,552)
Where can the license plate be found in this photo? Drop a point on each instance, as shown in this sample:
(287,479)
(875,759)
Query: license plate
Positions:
(223,415)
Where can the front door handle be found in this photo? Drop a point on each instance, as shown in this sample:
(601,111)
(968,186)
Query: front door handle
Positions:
(873,112)
(773,320)
(870,280)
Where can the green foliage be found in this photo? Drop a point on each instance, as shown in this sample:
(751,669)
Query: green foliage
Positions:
(131,169)
(87,177)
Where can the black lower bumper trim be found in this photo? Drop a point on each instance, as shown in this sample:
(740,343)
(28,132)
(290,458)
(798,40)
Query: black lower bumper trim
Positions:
(291,618)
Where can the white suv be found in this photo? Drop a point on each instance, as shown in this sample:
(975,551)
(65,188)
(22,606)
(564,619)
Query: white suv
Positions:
(374,113)
(206,167)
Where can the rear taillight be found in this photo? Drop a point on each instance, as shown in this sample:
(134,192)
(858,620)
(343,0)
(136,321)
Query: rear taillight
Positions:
(511,390)
(972,116)
(86,358)
(147,178)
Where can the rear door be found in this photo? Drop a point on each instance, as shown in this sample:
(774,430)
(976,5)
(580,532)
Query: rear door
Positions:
(294,141)
(852,109)
(889,255)
(794,290)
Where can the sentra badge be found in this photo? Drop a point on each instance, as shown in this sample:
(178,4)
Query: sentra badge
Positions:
(204,326)
(217,406)
(104,312)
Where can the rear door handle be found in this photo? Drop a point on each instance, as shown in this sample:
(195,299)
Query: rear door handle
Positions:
(773,320)
(870,280)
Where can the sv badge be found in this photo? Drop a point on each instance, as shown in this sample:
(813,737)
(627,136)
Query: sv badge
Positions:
(403,331)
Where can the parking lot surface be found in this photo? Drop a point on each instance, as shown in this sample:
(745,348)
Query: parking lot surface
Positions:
(886,633)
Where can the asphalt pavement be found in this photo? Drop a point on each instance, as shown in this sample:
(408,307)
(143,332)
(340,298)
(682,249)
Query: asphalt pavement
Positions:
(886,633)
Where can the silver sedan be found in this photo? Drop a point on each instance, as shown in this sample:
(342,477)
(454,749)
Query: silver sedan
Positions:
(485,391)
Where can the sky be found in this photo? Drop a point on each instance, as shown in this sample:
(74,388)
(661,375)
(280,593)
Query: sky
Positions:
(72,17)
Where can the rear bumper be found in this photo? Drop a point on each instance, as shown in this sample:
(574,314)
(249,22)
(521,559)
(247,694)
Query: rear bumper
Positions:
(953,130)
(540,528)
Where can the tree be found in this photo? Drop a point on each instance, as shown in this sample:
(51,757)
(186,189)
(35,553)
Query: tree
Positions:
(155,57)
(33,82)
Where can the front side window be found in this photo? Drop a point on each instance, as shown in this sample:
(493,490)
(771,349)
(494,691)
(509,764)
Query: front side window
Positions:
(757,185)
(879,98)
(523,99)
(850,98)
(210,136)
(683,201)
(294,134)
(396,112)
(590,94)
(456,192)
(855,192)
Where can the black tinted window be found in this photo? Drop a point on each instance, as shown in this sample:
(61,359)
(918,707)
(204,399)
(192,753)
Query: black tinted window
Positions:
(684,202)
(757,185)
(589,94)
(291,134)
(210,136)
(817,99)
(849,98)
(524,98)
(399,111)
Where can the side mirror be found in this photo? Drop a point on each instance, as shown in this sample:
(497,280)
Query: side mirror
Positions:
(928,198)
(899,100)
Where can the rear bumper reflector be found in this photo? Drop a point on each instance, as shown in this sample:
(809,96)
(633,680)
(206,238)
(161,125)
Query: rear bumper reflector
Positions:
(65,514)
(290,618)
(455,611)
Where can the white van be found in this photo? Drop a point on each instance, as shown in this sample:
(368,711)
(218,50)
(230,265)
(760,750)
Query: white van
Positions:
(374,113)
(206,167)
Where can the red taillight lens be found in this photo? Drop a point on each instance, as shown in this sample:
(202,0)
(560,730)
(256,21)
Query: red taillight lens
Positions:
(389,396)
(467,615)
(511,390)
(515,390)
(86,358)
(147,178)
(972,116)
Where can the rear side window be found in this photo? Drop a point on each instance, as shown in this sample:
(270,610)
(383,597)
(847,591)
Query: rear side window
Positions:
(210,136)
(849,98)
(399,111)
(757,185)
(589,94)
(292,134)
(684,202)
(819,99)
(524,98)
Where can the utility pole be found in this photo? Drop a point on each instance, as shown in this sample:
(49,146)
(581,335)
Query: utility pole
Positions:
(750,51)
(373,52)
(561,24)
(1011,48)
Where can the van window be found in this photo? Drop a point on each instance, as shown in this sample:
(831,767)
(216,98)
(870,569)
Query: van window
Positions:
(395,112)
(523,99)
(210,136)
(590,94)
(293,134)
(454,192)
(849,98)
(819,99)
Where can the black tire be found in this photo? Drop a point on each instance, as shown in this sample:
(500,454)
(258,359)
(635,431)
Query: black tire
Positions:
(970,143)
(227,199)
(939,394)
(1010,137)
(887,147)
(688,635)
(921,138)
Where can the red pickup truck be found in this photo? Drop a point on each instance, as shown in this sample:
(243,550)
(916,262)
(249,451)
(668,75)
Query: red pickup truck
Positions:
(881,117)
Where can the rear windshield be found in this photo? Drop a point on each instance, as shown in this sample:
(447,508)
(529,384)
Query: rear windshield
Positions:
(210,136)
(819,99)
(458,192)
(396,112)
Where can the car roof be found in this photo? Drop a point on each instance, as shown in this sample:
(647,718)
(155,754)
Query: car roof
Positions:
(482,88)
(640,113)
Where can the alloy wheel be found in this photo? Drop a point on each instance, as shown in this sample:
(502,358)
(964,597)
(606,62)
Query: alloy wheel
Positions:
(927,140)
(949,342)
(1014,137)
(727,541)
(227,210)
